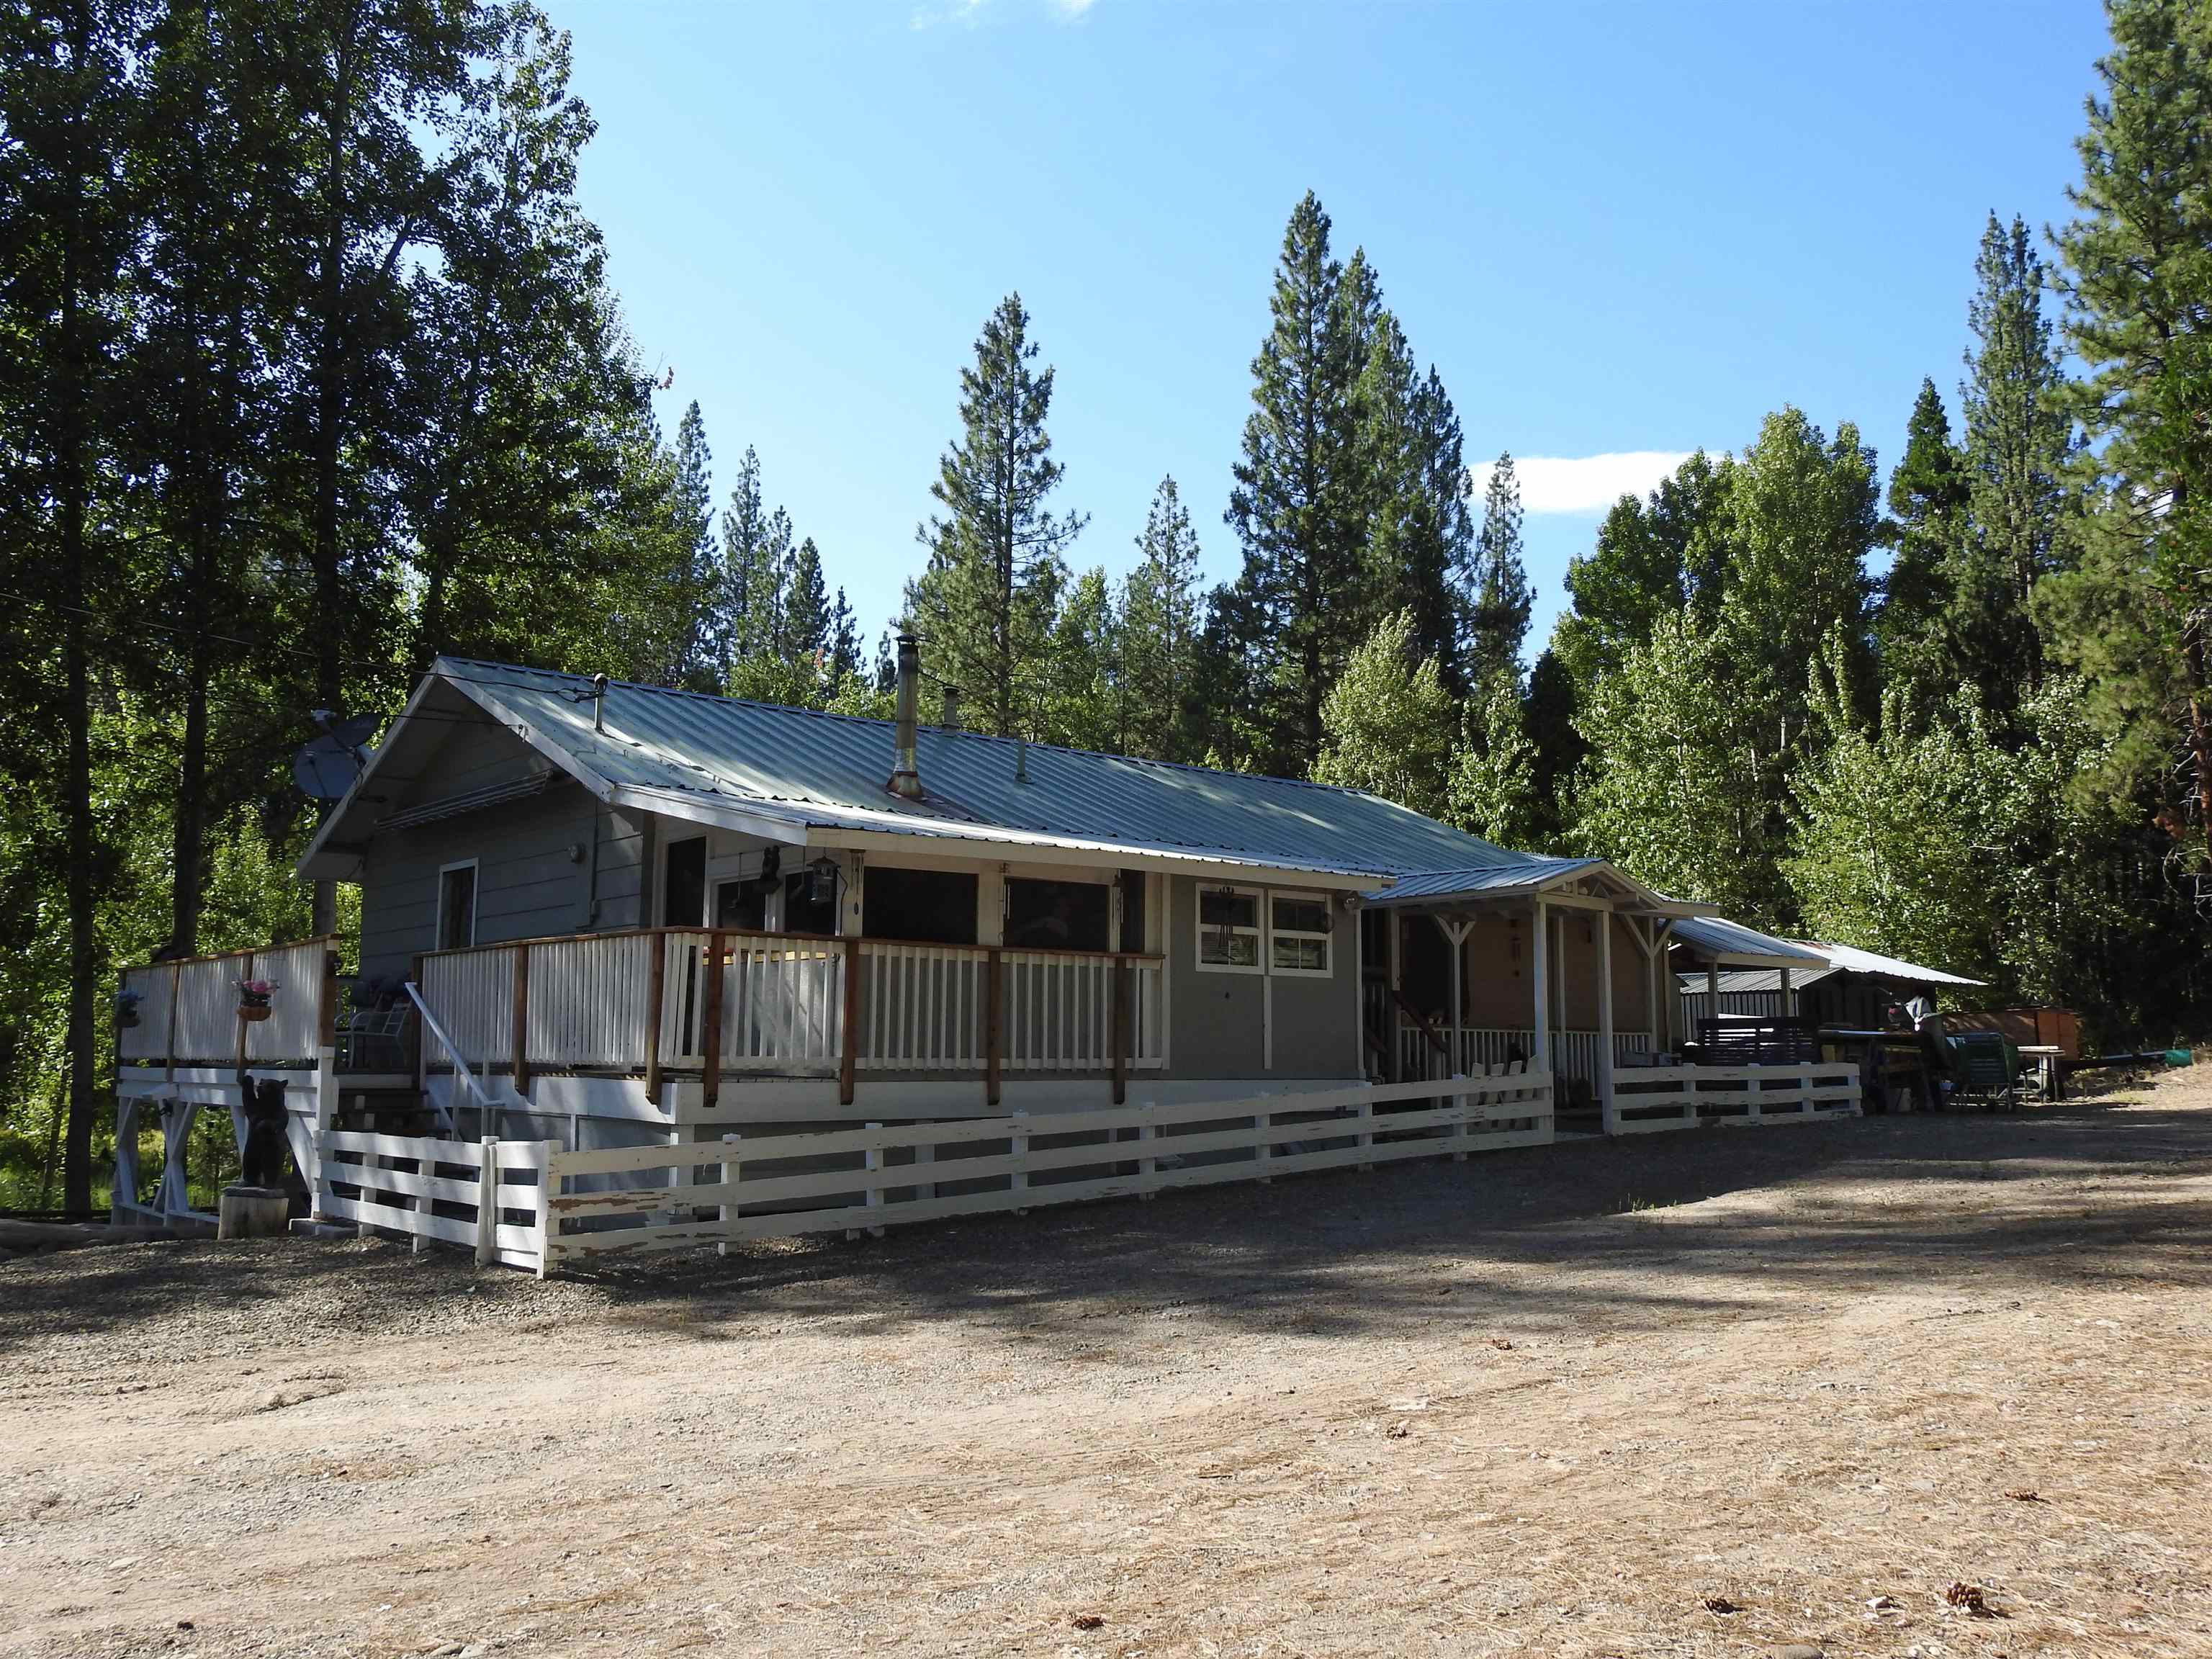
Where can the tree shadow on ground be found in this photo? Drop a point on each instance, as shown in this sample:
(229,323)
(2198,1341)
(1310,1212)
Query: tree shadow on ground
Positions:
(2019,1204)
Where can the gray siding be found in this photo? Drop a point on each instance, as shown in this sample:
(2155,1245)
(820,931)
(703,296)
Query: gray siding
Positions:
(528,884)
(1221,1021)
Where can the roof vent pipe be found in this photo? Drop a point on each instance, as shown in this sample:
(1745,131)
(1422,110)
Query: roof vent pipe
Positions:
(951,720)
(906,780)
(599,701)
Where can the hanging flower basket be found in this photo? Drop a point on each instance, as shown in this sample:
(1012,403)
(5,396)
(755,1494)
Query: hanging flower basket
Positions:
(254,996)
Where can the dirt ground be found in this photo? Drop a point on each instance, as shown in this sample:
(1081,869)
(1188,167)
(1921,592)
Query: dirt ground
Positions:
(1581,1400)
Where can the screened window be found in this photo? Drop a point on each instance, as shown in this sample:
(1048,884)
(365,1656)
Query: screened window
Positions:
(1059,916)
(1297,933)
(684,885)
(927,907)
(1229,929)
(457,907)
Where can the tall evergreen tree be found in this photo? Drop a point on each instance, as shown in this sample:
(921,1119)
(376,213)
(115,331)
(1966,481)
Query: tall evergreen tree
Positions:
(986,603)
(2018,441)
(1299,500)
(704,659)
(2138,266)
(806,607)
(1926,532)
(1498,614)
(1160,632)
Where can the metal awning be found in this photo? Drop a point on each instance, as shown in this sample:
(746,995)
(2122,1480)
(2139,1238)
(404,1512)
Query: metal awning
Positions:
(1728,944)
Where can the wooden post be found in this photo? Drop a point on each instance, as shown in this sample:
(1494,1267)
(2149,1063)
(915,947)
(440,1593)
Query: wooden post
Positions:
(520,1068)
(242,1026)
(1539,987)
(728,1212)
(1147,1165)
(1019,1144)
(656,985)
(875,1193)
(487,1202)
(994,1028)
(1712,997)
(1782,1005)
(710,1040)
(848,1059)
(326,1022)
(1121,1032)
(414,1027)
(1607,1118)
(169,1043)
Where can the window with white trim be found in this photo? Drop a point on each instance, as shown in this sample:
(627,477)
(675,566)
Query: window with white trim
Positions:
(457,905)
(1297,934)
(1229,930)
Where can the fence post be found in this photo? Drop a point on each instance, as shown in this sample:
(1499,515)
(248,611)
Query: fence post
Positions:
(1148,1166)
(1120,1030)
(656,985)
(1366,1136)
(710,1039)
(848,1057)
(1019,1144)
(994,1023)
(1261,1121)
(875,1195)
(487,1202)
(549,1189)
(1459,1121)
(519,1031)
(728,1212)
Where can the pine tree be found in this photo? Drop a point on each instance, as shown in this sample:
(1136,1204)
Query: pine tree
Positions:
(1087,702)
(1160,632)
(1408,441)
(2138,263)
(1298,503)
(2018,442)
(1498,614)
(986,603)
(806,607)
(691,504)
(1926,532)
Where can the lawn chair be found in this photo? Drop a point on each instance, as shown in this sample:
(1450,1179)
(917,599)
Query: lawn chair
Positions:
(1987,1068)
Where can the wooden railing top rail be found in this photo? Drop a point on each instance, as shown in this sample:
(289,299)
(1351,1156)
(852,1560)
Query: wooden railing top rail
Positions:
(229,956)
(795,939)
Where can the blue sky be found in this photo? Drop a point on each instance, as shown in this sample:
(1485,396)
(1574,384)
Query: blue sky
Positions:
(1623,230)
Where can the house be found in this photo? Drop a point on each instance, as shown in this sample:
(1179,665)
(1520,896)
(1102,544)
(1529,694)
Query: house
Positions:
(614,916)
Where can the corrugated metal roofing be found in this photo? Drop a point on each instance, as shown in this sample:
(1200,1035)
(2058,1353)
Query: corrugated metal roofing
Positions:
(1750,980)
(1532,870)
(1838,959)
(1716,936)
(832,770)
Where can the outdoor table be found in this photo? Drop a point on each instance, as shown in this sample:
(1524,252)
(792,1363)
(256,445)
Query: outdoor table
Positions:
(2049,1074)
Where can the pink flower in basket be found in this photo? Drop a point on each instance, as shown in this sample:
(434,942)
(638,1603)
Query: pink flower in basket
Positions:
(254,998)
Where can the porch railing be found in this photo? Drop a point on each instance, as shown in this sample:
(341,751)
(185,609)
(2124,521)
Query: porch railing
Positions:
(1574,1054)
(187,1011)
(723,1000)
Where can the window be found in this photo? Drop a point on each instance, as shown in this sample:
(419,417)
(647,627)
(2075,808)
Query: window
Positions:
(457,906)
(684,885)
(926,906)
(1229,930)
(1059,916)
(1297,933)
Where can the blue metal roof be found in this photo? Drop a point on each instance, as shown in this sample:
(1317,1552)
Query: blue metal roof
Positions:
(1731,942)
(832,770)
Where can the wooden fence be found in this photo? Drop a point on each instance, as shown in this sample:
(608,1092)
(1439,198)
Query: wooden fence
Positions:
(1648,1098)
(188,1013)
(432,1191)
(556,1206)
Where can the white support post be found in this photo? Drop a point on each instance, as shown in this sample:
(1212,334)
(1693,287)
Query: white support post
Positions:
(327,1119)
(925,1152)
(487,1202)
(1540,986)
(726,1212)
(1607,1112)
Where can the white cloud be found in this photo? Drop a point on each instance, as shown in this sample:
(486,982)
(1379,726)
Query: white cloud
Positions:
(1583,484)
(1071,9)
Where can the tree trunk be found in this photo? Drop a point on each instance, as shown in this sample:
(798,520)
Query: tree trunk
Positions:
(330,357)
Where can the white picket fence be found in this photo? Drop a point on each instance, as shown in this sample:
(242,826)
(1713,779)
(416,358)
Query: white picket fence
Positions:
(1650,1098)
(556,1206)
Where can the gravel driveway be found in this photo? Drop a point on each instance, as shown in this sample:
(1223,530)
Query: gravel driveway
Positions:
(1713,1394)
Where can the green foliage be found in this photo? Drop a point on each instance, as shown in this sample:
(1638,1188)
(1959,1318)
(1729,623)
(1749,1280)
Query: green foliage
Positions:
(1926,533)
(1491,790)
(1653,559)
(986,603)
(1387,724)
(1674,788)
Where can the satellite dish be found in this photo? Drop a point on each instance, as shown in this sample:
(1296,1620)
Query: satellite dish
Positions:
(326,766)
